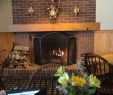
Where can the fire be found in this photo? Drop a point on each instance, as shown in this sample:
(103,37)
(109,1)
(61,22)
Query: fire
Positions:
(58,53)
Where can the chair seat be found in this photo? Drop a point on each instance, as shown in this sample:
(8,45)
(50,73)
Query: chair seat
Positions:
(108,57)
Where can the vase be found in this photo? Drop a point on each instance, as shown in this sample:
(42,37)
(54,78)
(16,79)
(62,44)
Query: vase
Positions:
(74,92)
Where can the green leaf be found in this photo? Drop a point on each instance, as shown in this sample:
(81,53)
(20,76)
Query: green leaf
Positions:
(64,79)
(60,71)
(94,81)
(70,93)
(91,91)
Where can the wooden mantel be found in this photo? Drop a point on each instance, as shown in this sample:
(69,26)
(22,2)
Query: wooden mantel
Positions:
(53,27)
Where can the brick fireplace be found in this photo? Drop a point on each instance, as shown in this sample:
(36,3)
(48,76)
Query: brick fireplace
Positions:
(82,41)
(54,47)
(29,27)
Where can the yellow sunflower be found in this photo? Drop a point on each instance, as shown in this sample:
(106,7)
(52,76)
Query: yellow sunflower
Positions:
(77,80)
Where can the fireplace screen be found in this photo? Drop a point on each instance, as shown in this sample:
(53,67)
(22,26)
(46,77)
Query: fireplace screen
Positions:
(54,48)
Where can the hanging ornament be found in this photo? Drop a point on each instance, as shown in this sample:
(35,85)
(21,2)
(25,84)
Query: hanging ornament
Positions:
(52,11)
(52,1)
(76,11)
(31,11)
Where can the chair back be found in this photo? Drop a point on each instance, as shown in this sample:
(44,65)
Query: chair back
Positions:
(3,62)
(3,55)
(96,64)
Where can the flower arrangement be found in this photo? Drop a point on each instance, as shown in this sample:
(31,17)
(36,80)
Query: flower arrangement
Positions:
(76,84)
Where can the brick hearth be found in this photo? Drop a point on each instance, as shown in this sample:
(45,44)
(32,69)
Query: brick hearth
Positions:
(27,72)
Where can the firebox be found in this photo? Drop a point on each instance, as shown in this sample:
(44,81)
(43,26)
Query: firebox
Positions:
(55,47)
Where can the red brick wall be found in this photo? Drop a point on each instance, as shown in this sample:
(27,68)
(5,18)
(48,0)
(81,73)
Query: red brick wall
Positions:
(85,42)
(66,15)
(85,39)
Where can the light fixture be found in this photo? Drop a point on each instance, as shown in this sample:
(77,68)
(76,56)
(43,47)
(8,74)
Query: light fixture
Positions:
(53,11)
(31,11)
(76,11)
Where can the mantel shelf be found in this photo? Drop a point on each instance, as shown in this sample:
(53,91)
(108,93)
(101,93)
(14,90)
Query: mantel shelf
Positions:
(53,27)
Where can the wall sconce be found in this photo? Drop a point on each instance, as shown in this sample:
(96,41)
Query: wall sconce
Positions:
(76,11)
(31,10)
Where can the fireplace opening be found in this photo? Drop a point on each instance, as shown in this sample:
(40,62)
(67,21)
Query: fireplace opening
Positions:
(55,48)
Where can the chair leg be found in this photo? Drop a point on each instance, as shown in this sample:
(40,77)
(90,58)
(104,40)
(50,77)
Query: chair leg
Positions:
(2,87)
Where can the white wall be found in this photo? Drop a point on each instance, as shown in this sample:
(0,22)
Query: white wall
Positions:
(103,42)
(104,14)
(5,15)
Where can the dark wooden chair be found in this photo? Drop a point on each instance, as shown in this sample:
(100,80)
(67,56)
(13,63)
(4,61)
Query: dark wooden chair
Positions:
(3,63)
(97,65)
(43,77)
